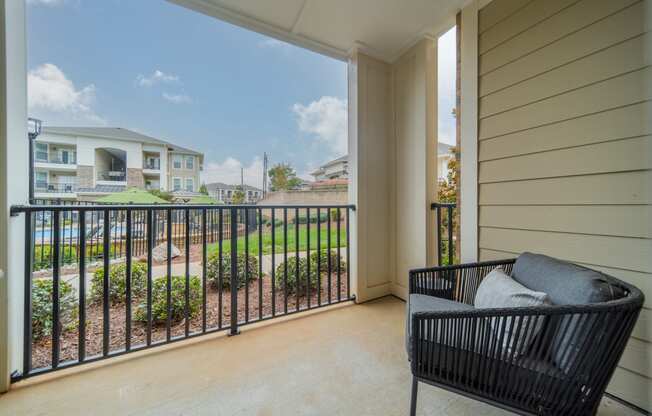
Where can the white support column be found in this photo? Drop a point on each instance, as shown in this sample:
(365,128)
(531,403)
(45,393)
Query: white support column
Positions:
(369,177)
(469,134)
(13,182)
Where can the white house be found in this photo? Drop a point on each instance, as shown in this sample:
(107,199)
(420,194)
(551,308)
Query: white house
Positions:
(334,169)
(223,192)
(87,162)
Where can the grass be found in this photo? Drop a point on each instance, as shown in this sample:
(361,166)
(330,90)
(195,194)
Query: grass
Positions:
(291,241)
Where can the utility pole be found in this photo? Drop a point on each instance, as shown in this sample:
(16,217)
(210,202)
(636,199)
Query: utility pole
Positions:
(265,168)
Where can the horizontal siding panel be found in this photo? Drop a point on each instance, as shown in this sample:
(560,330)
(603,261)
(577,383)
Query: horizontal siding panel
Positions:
(619,252)
(519,21)
(573,18)
(636,353)
(617,28)
(643,327)
(631,387)
(611,189)
(643,281)
(616,92)
(617,60)
(629,121)
(494,12)
(619,221)
(617,156)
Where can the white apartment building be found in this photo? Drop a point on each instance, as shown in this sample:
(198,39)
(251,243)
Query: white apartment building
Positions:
(334,169)
(223,192)
(85,163)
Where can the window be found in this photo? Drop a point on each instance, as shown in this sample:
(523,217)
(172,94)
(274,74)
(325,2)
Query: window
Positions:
(190,161)
(189,184)
(41,179)
(176,184)
(41,152)
(176,161)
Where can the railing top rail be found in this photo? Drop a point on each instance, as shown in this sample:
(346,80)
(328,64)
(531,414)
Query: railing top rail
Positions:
(443,205)
(17,209)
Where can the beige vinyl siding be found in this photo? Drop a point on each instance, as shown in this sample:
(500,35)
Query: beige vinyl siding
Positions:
(565,146)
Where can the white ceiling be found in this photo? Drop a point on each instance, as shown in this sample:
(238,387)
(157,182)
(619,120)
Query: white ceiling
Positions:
(381,28)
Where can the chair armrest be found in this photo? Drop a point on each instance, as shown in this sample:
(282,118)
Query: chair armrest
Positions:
(457,282)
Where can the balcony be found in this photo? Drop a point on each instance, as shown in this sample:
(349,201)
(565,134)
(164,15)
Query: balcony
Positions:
(347,360)
(152,165)
(55,188)
(112,176)
(56,162)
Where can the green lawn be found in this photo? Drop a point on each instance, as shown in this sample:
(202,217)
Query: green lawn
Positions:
(291,242)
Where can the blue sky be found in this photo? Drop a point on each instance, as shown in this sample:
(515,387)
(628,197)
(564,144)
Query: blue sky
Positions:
(166,71)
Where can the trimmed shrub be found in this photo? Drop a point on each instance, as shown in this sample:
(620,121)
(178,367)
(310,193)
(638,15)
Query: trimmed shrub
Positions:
(323,260)
(213,275)
(178,297)
(323,218)
(42,307)
(96,251)
(43,256)
(117,282)
(302,264)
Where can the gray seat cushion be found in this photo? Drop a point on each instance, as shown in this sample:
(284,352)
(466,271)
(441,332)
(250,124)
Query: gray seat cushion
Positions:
(566,284)
(425,303)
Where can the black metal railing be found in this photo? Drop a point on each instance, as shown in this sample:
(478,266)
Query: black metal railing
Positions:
(115,175)
(153,165)
(446,225)
(223,272)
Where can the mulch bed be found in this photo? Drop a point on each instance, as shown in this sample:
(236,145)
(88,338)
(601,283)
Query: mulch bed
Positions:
(41,348)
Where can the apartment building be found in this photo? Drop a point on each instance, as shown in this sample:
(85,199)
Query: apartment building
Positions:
(85,163)
(223,192)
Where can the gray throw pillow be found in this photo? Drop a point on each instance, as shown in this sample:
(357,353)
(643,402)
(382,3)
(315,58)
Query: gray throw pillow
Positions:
(499,290)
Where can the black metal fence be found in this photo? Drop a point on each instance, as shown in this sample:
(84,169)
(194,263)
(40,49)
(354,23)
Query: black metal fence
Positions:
(446,225)
(289,259)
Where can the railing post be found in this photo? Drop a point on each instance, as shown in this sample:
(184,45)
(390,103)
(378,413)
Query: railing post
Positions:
(234,272)
(27,318)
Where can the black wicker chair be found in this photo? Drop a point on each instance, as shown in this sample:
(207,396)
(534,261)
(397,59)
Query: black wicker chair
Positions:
(477,352)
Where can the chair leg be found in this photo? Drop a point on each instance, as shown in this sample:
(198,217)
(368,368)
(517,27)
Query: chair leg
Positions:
(413,400)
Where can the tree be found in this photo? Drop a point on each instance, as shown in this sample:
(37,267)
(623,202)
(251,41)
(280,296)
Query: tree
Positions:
(283,177)
(448,188)
(238,196)
(203,189)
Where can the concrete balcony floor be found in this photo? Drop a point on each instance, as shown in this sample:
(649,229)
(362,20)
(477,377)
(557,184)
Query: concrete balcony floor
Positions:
(349,360)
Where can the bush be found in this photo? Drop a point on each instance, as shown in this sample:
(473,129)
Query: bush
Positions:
(96,251)
(178,304)
(292,284)
(300,286)
(43,256)
(117,282)
(42,307)
(212,270)
(323,218)
(323,260)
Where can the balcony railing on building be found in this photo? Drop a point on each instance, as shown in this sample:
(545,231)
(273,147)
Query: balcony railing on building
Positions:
(105,280)
(71,159)
(112,175)
(152,164)
(57,188)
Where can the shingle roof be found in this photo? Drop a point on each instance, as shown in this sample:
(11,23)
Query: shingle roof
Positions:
(102,189)
(116,133)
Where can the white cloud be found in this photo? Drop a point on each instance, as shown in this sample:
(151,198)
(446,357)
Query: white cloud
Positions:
(55,99)
(177,98)
(46,2)
(326,120)
(157,77)
(273,43)
(228,171)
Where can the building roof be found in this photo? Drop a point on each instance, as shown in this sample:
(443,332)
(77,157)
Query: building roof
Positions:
(102,189)
(219,185)
(443,148)
(117,133)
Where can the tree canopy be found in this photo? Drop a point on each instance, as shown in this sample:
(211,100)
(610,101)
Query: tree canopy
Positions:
(283,177)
